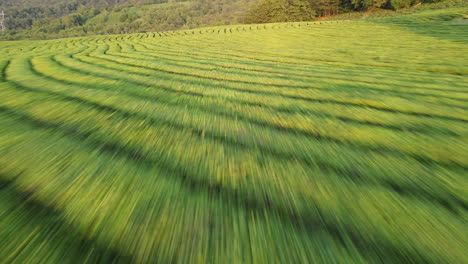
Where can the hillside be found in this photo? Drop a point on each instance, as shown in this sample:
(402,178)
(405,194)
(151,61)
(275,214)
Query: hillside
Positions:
(50,3)
(52,19)
(57,19)
(310,142)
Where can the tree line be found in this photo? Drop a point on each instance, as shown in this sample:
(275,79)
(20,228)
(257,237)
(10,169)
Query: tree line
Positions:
(43,19)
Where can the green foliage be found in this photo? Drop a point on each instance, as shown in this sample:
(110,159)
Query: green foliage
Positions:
(327,7)
(368,4)
(74,20)
(270,11)
(399,4)
(300,10)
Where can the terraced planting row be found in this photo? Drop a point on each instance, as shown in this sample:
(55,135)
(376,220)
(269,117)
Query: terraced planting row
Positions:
(281,143)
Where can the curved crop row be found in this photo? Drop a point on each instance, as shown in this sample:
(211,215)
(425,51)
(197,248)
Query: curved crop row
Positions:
(311,142)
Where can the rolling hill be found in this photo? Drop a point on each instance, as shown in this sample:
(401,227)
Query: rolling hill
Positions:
(311,142)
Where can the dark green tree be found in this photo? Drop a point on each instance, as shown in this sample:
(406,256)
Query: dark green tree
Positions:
(300,10)
(270,11)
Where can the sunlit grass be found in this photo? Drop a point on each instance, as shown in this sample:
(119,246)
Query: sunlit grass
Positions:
(319,142)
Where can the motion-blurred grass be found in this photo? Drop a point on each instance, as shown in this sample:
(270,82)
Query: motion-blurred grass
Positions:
(312,142)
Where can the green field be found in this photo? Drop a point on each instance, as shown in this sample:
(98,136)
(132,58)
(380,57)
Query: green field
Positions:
(312,142)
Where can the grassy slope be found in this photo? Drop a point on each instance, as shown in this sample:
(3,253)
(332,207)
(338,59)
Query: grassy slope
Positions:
(302,142)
